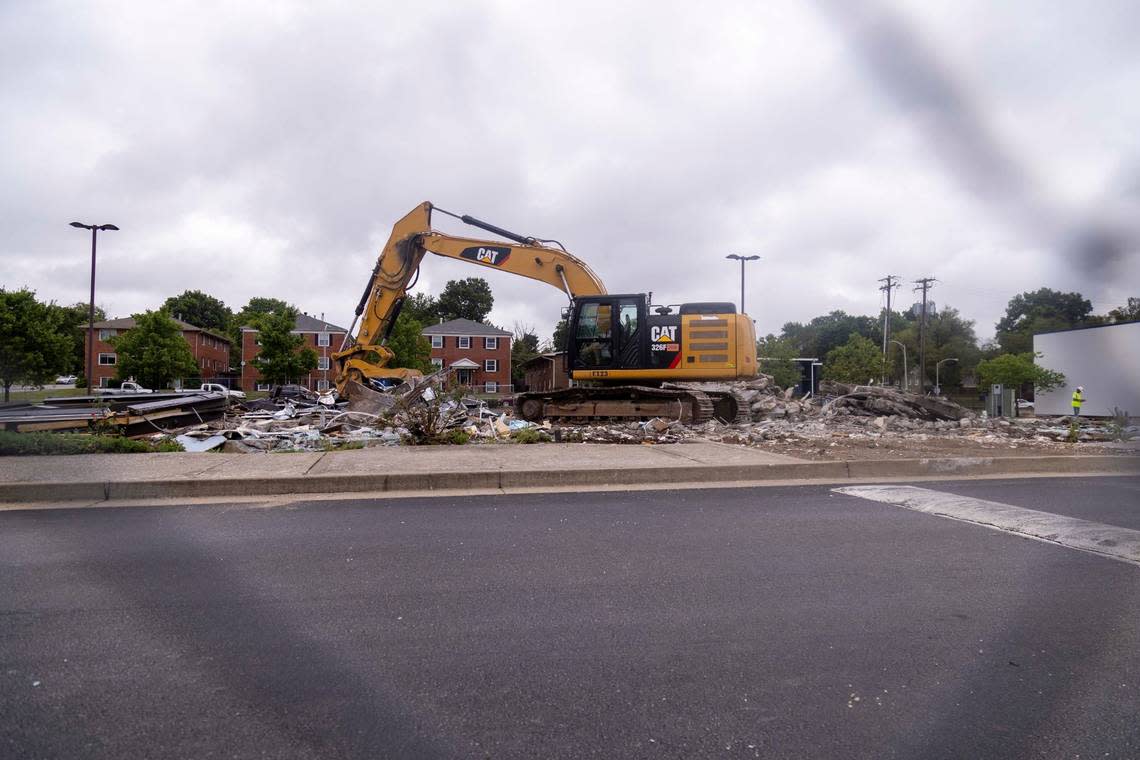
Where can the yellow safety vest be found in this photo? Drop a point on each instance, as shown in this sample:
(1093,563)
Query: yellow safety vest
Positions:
(1078,399)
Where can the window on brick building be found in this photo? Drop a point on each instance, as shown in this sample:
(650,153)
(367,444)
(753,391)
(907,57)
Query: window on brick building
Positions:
(322,385)
(491,365)
(491,387)
(464,341)
(437,341)
(107,360)
(104,334)
(437,363)
(322,362)
(491,343)
(322,339)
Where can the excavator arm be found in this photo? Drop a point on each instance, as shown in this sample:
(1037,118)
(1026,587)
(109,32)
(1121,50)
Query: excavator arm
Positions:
(412,237)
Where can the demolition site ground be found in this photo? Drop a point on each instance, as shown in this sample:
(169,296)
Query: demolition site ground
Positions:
(847,423)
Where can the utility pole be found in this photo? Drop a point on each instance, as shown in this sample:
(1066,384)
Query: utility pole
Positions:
(924,285)
(890,282)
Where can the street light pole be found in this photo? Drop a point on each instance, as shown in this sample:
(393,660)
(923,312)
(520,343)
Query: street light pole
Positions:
(742,259)
(91,305)
(938,385)
(906,382)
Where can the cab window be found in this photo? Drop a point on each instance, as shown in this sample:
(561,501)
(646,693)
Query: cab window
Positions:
(595,334)
(627,318)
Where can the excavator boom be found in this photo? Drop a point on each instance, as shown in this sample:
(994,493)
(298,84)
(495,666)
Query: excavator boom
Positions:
(396,269)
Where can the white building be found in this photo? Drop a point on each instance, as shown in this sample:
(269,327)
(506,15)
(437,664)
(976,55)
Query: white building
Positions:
(1105,359)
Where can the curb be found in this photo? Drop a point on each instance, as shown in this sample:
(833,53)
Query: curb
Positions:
(836,471)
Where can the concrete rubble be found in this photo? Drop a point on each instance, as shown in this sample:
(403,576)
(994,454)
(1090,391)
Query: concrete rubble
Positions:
(863,416)
(404,415)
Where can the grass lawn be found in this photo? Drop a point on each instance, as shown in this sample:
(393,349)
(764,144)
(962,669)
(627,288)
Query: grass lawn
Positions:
(42,393)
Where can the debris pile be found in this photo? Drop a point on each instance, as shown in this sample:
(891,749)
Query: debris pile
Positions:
(841,419)
(870,400)
(407,414)
(129,414)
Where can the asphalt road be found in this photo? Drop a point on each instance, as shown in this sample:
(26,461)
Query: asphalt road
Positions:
(770,622)
(1112,501)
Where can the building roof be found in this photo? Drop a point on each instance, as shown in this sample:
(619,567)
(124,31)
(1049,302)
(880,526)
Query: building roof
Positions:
(465,327)
(549,356)
(128,323)
(306,324)
(1089,327)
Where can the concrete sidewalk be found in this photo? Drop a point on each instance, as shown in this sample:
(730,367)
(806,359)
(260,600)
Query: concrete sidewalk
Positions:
(404,469)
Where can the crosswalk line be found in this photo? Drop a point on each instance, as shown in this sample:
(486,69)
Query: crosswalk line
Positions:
(1084,535)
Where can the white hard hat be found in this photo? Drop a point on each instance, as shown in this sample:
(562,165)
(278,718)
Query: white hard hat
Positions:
(1080,387)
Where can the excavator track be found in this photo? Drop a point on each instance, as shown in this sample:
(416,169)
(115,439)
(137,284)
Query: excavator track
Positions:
(588,404)
(728,405)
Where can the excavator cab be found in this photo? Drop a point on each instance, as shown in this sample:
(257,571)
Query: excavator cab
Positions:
(607,333)
(619,337)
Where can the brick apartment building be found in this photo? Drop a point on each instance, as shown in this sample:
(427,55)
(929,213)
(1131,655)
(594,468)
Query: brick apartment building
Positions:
(211,350)
(321,336)
(479,353)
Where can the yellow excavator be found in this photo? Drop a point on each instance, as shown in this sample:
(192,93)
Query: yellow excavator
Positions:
(629,358)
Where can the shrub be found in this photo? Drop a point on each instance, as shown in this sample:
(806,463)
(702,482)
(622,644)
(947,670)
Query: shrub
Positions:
(29,444)
(457,437)
(530,435)
(1119,424)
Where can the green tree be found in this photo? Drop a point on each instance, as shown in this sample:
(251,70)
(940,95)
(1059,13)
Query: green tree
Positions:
(776,356)
(153,351)
(948,336)
(200,310)
(252,311)
(524,347)
(410,347)
(75,320)
(819,336)
(283,356)
(1127,313)
(1018,371)
(421,307)
(857,361)
(561,333)
(34,344)
(1041,310)
(469,298)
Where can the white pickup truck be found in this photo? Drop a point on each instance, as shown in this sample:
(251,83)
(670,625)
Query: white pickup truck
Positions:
(128,387)
(214,388)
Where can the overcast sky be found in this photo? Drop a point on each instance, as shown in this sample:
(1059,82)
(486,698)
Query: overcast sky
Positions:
(265,149)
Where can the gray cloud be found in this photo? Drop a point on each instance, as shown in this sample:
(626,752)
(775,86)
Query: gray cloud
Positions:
(267,149)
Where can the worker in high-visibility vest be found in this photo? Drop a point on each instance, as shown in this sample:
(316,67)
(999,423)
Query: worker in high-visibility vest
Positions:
(1078,399)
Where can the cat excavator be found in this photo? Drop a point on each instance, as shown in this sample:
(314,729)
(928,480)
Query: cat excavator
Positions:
(628,358)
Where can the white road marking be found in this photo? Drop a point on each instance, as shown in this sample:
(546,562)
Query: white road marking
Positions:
(1083,535)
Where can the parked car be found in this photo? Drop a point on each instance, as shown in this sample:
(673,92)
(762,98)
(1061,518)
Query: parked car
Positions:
(293,391)
(126,388)
(66,380)
(214,388)
(1024,404)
